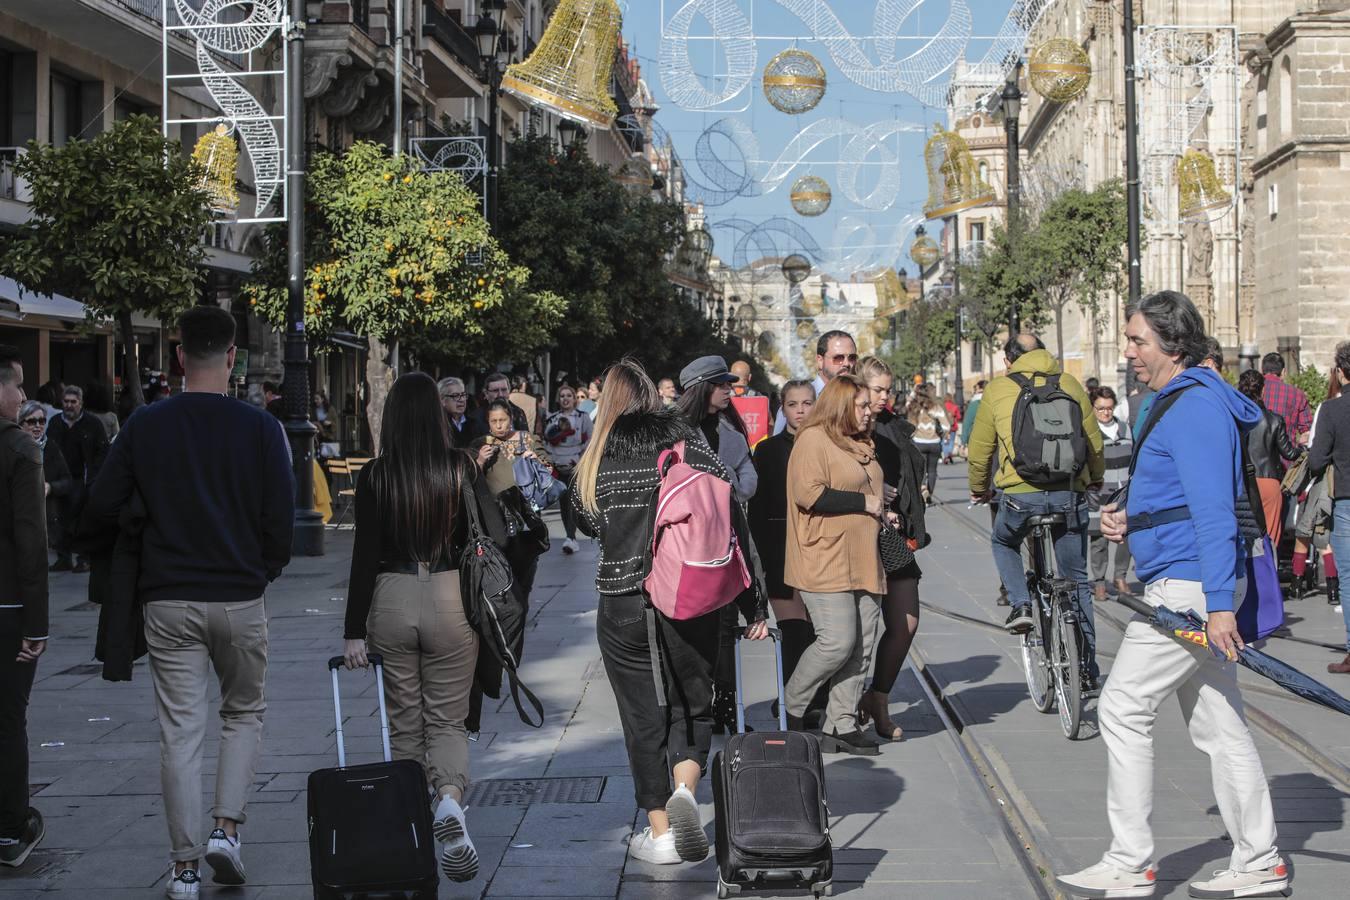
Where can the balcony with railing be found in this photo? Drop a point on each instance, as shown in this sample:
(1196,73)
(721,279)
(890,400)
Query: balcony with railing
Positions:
(12,187)
(452,66)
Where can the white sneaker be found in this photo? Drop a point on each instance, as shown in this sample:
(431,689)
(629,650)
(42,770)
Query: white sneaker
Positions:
(659,851)
(682,810)
(1259,883)
(1105,880)
(186,885)
(459,859)
(223,856)
(570,546)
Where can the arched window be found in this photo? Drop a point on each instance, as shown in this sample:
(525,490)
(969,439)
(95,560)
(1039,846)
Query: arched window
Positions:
(1286,100)
(1262,114)
(984,172)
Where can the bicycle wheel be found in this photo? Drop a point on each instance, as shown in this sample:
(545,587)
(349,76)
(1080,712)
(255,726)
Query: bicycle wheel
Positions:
(1068,681)
(1036,666)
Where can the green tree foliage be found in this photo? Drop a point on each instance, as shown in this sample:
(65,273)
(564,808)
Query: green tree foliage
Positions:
(117,224)
(927,335)
(387,256)
(1311,382)
(584,238)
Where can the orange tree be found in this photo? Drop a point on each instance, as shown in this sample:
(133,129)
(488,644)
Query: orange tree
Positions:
(388,253)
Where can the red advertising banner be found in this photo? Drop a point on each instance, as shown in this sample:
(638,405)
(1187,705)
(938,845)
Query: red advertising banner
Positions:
(754,412)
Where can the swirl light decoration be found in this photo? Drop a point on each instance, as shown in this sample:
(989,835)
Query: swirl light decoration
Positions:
(240,108)
(1059,70)
(794,82)
(954,182)
(569,72)
(1202,191)
(810,196)
(218,155)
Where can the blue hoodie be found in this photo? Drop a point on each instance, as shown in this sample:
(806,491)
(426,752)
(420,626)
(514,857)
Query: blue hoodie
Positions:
(1193,458)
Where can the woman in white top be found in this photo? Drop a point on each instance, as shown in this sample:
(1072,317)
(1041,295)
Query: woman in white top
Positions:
(568,433)
(930,425)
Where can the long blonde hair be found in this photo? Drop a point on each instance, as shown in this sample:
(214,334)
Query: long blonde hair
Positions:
(835,412)
(921,403)
(628,389)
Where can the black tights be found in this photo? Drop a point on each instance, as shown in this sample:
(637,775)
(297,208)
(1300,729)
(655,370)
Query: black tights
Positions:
(900,613)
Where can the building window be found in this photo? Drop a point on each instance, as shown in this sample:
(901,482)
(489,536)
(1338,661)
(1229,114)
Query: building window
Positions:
(1262,114)
(1286,100)
(976,357)
(977,232)
(984,172)
(65,109)
(361,14)
(1273,199)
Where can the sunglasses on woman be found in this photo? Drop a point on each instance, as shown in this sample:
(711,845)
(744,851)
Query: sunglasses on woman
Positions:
(35,420)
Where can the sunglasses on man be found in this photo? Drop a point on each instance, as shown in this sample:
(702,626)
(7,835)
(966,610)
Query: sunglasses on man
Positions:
(841,358)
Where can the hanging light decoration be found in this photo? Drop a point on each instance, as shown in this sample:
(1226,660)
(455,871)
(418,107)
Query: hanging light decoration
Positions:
(1202,191)
(810,196)
(794,82)
(635,176)
(954,181)
(806,329)
(569,72)
(218,155)
(924,250)
(1060,70)
(796,268)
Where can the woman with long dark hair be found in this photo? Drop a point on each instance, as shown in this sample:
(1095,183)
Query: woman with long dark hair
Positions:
(903,467)
(668,737)
(1268,445)
(404,598)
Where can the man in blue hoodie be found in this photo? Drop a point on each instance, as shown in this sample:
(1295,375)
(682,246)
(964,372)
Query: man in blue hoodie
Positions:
(1181,518)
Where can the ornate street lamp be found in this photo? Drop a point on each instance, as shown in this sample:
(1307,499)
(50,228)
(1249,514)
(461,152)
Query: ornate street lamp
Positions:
(1012,108)
(491,50)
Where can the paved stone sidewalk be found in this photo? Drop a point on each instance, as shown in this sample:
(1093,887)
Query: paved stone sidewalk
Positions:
(910,822)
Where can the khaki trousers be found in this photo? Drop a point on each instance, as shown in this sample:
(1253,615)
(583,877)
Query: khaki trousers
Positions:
(846,632)
(417,623)
(183,637)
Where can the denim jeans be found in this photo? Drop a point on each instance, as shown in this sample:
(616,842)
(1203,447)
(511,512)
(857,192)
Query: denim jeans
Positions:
(1011,530)
(1340,548)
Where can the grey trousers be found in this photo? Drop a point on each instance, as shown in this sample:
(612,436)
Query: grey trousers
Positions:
(1098,548)
(847,626)
(183,636)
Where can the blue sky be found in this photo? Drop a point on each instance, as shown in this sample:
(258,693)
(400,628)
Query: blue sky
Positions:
(774,27)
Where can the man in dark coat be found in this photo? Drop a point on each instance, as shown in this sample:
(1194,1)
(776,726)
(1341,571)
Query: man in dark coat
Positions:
(84,444)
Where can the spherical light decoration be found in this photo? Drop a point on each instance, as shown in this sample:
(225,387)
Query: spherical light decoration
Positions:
(1060,70)
(924,251)
(1202,191)
(635,176)
(806,329)
(794,82)
(810,196)
(796,268)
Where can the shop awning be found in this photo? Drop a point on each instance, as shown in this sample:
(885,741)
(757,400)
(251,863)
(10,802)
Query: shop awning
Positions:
(18,303)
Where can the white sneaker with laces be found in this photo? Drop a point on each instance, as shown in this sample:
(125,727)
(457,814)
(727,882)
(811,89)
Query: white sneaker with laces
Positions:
(1227,883)
(1105,880)
(224,858)
(659,851)
(570,546)
(690,840)
(459,858)
(186,885)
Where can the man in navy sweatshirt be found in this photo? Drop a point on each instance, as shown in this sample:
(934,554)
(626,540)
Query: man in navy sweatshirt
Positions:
(1182,522)
(215,477)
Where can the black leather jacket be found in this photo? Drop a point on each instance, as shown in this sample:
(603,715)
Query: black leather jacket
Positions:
(1267,443)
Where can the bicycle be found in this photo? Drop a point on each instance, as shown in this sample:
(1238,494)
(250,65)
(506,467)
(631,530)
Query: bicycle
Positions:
(1054,678)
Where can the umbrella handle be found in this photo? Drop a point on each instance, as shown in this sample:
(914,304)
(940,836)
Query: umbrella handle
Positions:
(1136,604)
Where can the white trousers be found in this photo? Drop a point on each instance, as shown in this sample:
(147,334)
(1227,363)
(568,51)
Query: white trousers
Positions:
(1152,665)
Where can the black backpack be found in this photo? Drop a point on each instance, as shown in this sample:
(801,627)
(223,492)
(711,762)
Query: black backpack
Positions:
(1048,443)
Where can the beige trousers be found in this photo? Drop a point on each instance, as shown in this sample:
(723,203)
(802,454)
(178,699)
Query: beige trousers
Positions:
(183,637)
(417,623)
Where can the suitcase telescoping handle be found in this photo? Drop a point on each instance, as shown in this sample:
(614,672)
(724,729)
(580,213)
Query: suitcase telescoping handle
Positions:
(776,637)
(377,662)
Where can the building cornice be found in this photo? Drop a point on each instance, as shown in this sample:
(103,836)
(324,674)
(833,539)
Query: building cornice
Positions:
(1285,151)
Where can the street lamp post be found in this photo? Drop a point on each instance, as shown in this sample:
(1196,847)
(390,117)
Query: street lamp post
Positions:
(960,391)
(1131,158)
(307,538)
(1012,108)
(488,37)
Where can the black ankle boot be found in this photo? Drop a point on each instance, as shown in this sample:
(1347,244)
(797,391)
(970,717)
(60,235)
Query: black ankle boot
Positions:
(1334,590)
(724,709)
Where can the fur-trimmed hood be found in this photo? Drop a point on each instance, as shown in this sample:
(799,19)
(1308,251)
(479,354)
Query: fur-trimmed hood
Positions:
(640,435)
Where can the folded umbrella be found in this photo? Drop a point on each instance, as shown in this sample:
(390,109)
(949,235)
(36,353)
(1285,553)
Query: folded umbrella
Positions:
(1190,627)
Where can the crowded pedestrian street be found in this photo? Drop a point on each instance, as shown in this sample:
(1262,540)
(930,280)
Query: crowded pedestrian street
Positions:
(983,798)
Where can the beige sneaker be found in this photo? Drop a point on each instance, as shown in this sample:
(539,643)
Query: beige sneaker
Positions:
(1228,884)
(1105,880)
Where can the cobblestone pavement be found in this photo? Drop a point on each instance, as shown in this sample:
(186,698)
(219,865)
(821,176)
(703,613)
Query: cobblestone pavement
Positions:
(912,822)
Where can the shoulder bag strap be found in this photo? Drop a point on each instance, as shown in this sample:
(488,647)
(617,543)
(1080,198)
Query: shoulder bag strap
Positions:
(1155,414)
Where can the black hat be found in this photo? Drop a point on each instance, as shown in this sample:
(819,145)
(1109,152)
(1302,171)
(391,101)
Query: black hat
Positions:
(705,368)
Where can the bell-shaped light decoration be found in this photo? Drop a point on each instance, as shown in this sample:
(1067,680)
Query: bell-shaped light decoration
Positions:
(796,268)
(1202,191)
(954,182)
(810,196)
(218,155)
(794,82)
(924,250)
(1059,70)
(569,72)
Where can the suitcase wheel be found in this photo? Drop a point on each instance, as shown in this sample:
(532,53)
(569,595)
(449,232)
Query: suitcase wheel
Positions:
(822,890)
(725,890)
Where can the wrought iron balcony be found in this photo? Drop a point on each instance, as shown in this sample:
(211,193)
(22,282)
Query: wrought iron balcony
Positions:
(451,35)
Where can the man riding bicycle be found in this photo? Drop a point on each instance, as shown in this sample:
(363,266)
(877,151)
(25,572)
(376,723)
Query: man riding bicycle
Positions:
(1050,454)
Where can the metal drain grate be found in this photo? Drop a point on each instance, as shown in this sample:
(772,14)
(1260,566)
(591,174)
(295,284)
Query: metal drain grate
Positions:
(529,791)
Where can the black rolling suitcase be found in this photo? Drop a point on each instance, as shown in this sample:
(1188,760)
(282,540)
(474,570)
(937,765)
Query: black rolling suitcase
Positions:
(772,822)
(370,825)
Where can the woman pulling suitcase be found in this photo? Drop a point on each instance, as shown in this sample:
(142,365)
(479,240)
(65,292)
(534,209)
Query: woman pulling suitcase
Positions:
(404,598)
(612,491)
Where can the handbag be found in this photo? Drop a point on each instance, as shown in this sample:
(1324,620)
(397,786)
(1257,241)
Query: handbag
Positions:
(491,606)
(896,552)
(1261,610)
(1296,477)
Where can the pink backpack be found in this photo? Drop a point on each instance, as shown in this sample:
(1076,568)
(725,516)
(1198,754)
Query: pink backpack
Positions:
(697,565)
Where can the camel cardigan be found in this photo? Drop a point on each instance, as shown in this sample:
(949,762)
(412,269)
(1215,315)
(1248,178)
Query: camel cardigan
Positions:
(832,552)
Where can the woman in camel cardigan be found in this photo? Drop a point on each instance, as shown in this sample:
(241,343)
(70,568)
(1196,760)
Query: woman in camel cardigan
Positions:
(835,505)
